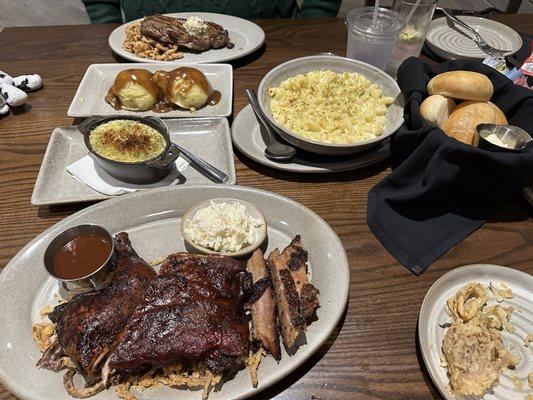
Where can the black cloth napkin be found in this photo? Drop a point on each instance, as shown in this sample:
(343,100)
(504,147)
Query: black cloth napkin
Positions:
(442,190)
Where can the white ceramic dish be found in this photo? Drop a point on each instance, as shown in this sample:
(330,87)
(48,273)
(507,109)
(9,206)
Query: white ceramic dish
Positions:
(54,185)
(250,209)
(247,137)
(452,42)
(246,36)
(89,99)
(152,220)
(337,64)
(433,316)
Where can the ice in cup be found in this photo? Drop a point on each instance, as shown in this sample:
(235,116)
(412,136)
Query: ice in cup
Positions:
(372,42)
(411,39)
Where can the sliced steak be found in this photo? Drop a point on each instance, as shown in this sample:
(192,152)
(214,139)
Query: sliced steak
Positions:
(296,298)
(297,258)
(290,313)
(264,318)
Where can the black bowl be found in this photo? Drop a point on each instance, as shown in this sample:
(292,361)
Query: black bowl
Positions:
(142,172)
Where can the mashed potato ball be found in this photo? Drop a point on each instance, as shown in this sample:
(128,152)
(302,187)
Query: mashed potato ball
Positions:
(188,94)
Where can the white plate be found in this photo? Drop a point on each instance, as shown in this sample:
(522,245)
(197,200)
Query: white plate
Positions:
(247,137)
(432,314)
(245,35)
(454,42)
(54,185)
(89,99)
(152,219)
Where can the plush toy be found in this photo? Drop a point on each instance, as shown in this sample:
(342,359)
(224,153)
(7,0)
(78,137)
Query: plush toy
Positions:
(13,90)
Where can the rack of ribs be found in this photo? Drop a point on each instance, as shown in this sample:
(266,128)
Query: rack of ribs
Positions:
(90,324)
(192,311)
(296,298)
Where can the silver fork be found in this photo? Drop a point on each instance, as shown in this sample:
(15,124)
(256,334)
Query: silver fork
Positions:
(483,46)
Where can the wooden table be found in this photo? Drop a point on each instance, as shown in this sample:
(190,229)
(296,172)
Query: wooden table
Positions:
(373,353)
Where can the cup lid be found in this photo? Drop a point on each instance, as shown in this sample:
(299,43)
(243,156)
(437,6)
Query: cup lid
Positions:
(389,23)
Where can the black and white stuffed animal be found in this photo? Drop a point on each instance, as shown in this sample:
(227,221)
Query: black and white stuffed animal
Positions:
(13,90)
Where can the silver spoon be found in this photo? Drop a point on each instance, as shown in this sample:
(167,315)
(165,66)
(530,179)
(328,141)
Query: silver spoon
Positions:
(275,150)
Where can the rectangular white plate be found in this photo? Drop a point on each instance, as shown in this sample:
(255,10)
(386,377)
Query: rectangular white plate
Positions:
(208,138)
(89,99)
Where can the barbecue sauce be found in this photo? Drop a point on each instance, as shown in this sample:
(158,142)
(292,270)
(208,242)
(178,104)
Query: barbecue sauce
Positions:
(81,256)
(161,85)
(141,77)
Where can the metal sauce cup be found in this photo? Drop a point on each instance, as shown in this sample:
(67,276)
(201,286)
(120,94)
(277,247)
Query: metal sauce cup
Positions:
(514,137)
(95,279)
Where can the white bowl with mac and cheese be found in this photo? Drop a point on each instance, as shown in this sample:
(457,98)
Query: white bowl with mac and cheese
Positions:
(331,105)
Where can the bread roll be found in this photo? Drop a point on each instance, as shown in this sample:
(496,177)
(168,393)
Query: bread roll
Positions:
(466,116)
(462,85)
(437,109)
(500,118)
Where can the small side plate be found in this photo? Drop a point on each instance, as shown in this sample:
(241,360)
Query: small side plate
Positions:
(89,99)
(451,42)
(55,185)
(433,316)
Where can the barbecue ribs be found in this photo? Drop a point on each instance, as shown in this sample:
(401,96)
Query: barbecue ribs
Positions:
(193,311)
(90,324)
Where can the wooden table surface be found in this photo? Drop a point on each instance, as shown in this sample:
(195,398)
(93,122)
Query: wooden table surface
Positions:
(373,353)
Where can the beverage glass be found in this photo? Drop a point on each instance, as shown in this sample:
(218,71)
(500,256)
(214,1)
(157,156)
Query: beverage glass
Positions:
(372,43)
(413,35)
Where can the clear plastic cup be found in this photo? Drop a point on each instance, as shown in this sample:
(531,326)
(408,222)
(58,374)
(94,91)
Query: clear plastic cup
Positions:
(411,39)
(369,43)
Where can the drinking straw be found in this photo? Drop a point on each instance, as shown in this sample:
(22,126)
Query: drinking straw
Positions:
(417,2)
(376,9)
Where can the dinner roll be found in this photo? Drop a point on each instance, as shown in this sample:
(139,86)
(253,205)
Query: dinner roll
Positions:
(462,85)
(437,109)
(466,116)
(499,115)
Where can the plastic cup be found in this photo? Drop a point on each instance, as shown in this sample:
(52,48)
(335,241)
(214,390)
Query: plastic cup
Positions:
(372,44)
(411,39)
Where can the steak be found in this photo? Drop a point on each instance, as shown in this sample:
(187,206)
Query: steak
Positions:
(193,311)
(168,30)
(90,324)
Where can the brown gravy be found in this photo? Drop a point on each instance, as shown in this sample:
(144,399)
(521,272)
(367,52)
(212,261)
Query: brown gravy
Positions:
(160,86)
(81,256)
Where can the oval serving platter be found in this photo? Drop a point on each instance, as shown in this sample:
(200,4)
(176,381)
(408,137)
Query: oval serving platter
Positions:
(152,219)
